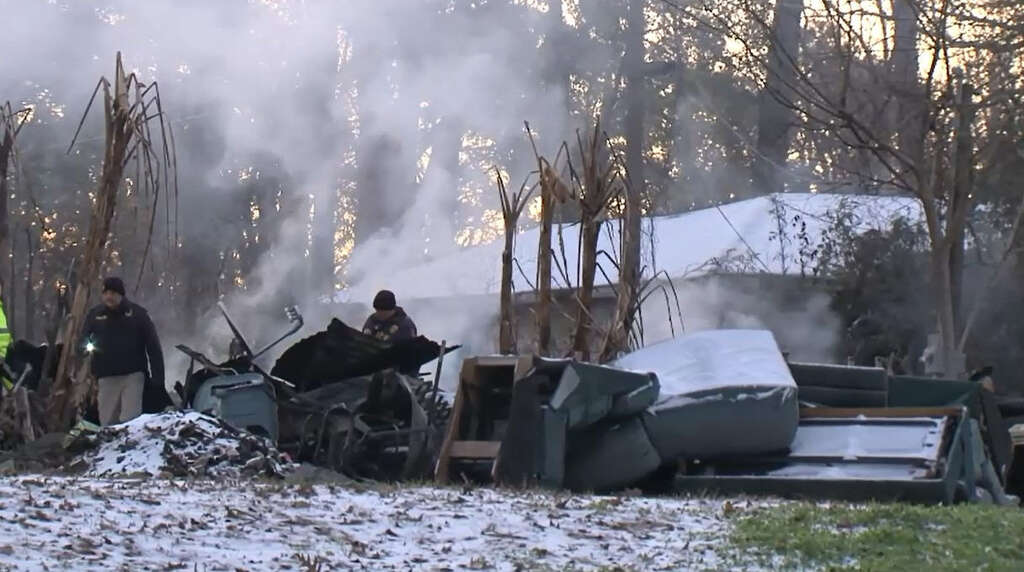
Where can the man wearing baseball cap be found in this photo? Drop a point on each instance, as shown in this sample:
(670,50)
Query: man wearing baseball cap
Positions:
(122,340)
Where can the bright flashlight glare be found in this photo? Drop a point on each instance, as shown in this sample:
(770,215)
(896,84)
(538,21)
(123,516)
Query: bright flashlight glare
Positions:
(90,347)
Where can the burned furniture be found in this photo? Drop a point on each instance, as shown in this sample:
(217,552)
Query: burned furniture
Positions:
(564,424)
(334,399)
(720,411)
(860,387)
(925,455)
(246,401)
(523,421)
(25,358)
(238,391)
(722,392)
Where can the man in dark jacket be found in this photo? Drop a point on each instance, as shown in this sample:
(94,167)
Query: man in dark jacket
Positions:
(122,340)
(389,323)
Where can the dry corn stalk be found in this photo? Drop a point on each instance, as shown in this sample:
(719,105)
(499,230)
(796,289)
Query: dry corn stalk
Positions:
(552,190)
(598,188)
(512,206)
(627,304)
(129,109)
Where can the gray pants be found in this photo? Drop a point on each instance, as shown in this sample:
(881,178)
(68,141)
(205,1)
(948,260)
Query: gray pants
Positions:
(120,397)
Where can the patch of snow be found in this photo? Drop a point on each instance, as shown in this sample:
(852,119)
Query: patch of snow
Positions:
(713,359)
(95,524)
(909,438)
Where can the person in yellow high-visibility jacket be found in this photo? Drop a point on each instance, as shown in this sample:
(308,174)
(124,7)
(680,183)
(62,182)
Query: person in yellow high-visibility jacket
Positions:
(5,334)
(5,340)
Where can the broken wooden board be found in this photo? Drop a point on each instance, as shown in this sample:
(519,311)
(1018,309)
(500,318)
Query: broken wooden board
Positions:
(473,428)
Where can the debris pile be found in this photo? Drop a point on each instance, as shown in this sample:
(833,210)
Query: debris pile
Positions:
(176,444)
(339,399)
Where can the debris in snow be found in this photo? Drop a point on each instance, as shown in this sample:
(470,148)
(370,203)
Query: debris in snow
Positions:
(177,444)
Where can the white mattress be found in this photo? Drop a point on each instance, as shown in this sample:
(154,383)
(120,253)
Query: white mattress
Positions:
(697,364)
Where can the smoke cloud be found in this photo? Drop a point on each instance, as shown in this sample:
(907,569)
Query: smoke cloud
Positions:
(311,87)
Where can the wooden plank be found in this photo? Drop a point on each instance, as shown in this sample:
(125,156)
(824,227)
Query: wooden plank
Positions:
(945,438)
(441,474)
(23,412)
(522,368)
(496,361)
(474,449)
(879,412)
(472,380)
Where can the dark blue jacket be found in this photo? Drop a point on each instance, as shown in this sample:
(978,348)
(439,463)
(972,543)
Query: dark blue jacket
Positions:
(125,342)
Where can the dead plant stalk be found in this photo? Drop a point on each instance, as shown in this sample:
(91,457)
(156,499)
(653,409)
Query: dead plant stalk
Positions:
(129,108)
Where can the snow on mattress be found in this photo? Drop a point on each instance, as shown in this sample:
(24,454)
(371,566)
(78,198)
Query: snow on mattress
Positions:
(690,368)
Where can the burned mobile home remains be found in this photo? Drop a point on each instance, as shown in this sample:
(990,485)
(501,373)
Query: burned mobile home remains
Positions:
(717,410)
(593,405)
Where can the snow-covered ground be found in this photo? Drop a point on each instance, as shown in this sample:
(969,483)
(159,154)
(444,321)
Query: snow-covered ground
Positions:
(156,524)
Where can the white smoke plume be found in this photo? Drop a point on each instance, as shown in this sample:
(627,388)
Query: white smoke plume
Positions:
(275,78)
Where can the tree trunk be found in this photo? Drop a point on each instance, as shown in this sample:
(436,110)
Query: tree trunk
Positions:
(511,210)
(442,175)
(559,57)
(380,197)
(945,306)
(946,230)
(682,152)
(617,339)
(963,182)
(6,150)
(908,120)
(321,249)
(11,294)
(775,118)
(544,253)
(29,312)
(507,333)
(589,234)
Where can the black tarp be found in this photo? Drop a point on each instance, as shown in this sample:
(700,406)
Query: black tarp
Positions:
(341,352)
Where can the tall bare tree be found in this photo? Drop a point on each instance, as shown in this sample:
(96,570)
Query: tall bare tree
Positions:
(928,152)
(633,188)
(776,120)
(11,123)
